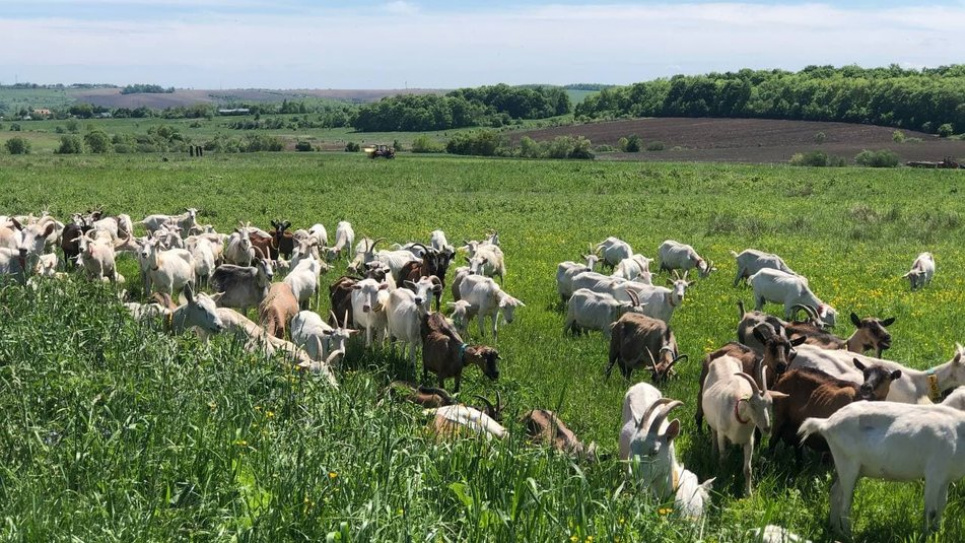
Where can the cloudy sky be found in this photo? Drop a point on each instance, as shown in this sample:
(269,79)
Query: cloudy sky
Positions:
(379,44)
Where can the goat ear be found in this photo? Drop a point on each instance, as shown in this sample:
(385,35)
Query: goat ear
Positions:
(409,284)
(888,322)
(708,485)
(287,224)
(274,223)
(775,395)
(356,287)
(673,430)
(895,375)
(799,341)
(383,286)
(468,261)
(858,364)
(855,320)
(758,335)
(670,281)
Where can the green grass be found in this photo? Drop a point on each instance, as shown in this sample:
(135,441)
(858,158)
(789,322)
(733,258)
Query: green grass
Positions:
(115,431)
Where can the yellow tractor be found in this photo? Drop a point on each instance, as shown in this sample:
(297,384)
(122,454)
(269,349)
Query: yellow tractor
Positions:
(376,151)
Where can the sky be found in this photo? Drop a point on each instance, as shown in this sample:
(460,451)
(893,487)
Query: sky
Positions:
(390,44)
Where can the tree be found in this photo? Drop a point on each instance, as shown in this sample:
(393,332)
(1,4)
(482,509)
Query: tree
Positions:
(98,142)
(946,130)
(633,144)
(18,146)
(70,145)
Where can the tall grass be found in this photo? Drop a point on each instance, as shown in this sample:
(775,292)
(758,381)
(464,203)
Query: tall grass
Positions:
(117,431)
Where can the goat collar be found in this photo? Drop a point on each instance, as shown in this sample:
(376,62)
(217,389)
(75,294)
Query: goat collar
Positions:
(737,411)
(462,352)
(934,392)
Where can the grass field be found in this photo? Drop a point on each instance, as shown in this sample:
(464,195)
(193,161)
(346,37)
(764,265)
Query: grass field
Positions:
(115,431)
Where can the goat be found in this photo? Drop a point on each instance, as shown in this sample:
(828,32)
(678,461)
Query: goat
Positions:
(97,257)
(895,442)
(202,250)
(184,221)
(488,261)
(566,271)
(914,386)
(70,242)
(647,444)
(278,307)
(319,340)
(340,300)
(546,428)
(588,310)
(779,287)
(751,261)
(282,242)
(462,272)
(659,302)
(364,253)
(368,299)
(870,333)
(634,267)
(433,264)
(242,286)
(813,393)
(421,395)
(238,248)
(922,270)
(452,420)
(318,234)
(446,354)
(168,271)
(632,336)
(734,405)
(404,312)
(612,251)
(344,239)
(438,241)
(487,299)
(678,256)
(303,280)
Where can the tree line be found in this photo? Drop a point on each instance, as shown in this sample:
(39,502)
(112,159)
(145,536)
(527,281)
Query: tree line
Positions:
(923,100)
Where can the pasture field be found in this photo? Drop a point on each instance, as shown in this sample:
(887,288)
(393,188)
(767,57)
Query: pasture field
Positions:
(117,431)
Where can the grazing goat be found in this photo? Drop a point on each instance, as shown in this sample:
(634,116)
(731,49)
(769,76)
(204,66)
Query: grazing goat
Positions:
(634,268)
(659,302)
(588,310)
(647,444)
(751,261)
(446,354)
(922,270)
(488,261)
(566,271)
(894,442)
(487,299)
(546,428)
(734,405)
(279,306)
(364,253)
(776,286)
(303,280)
(678,256)
(914,386)
(813,393)
(612,251)
(637,340)
(242,286)
(452,420)
(344,239)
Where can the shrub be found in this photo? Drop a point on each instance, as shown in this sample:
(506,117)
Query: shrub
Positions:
(622,144)
(877,159)
(481,143)
(633,144)
(70,145)
(122,148)
(17,146)
(529,148)
(352,147)
(898,136)
(816,159)
(303,146)
(946,130)
(262,142)
(820,137)
(15,127)
(425,144)
(60,129)
(98,142)
(604,148)
(656,146)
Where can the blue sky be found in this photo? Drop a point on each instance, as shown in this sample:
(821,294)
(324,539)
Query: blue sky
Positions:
(445,44)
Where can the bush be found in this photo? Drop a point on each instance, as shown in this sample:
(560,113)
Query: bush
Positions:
(98,142)
(605,148)
(633,144)
(17,146)
(15,127)
(529,148)
(946,130)
(303,146)
(70,145)
(898,136)
(877,159)
(820,137)
(481,143)
(818,159)
(425,144)
(352,147)
(622,144)
(262,142)
(122,148)
(656,146)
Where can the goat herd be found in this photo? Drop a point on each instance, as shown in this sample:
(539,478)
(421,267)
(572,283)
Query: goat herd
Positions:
(792,380)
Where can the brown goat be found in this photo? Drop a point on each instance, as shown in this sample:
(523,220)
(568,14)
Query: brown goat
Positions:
(262,245)
(446,354)
(544,427)
(869,334)
(813,393)
(277,309)
(636,340)
(776,357)
(340,298)
(421,395)
(282,241)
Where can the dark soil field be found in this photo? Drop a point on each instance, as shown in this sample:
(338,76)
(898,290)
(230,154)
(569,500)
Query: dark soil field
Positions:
(113,98)
(750,140)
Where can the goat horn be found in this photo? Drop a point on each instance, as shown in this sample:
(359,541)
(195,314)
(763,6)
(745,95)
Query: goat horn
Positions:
(653,407)
(499,403)
(742,375)
(489,404)
(376,242)
(345,322)
(676,359)
(334,318)
(653,362)
(661,416)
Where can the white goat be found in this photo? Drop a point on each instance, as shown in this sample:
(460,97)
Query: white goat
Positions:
(895,442)
(634,267)
(238,248)
(319,234)
(566,271)
(202,251)
(647,444)
(914,386)
(678,256)
(658,302)
(487,299)
(303,280)
(613,250)
(97,257)
(772,285)
(368,311)
(452,419)
(751,261)
(488,260)
(733,405)
(169,271)
(184,221)
(404,311)
(922,271)
(438,241)
(588,310)
(322,342)
(344,239)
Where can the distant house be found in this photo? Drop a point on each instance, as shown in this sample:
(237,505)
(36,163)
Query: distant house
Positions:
(234,111)
(41,113)
(104,115)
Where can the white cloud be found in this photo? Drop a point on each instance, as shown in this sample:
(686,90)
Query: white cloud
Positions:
(552,44)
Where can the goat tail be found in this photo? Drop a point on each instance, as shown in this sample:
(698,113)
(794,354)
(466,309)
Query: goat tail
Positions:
(811,426)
